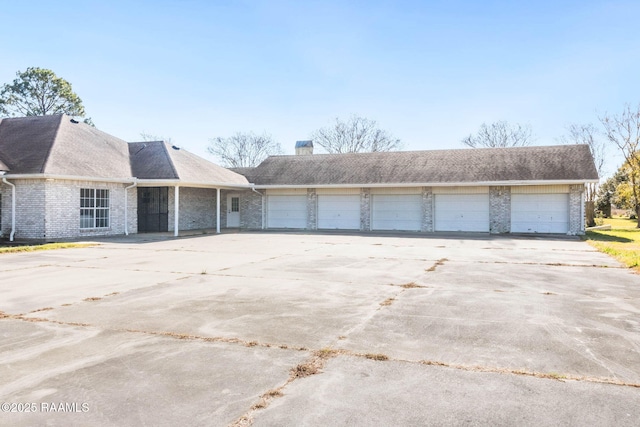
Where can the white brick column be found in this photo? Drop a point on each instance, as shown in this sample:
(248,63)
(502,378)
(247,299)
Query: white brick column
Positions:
(176,210)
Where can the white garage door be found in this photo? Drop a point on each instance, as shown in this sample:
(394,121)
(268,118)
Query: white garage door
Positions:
(539,213)
(396,212)
(339,211)
(286,211)
(462,212)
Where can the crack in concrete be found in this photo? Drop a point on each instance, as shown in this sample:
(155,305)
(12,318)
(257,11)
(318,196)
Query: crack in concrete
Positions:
(319,358)
(438,263)
(550,264)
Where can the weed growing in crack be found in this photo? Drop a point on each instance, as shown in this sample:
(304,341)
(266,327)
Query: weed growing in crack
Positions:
(376,356)
(305,370)
(556,376)
(411,285)
(326,353)
(388,301)
(439,262)
(92,299)
(260,405)
(273,393)
(41,309)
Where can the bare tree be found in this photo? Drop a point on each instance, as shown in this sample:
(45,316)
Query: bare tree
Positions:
(355,135)
(623,131)
(243,149)
(151,137)
(500,134)
(588,134)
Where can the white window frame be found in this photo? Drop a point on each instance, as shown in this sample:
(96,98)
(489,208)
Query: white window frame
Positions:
(95,208)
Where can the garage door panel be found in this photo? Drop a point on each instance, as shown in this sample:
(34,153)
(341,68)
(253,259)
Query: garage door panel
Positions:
(339,211)
(462,212)
(287,211)
(540,213)
(396,212)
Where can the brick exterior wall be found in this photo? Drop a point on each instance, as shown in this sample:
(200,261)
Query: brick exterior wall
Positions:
(312,209)
(223,207)
(197,208)
(499,210)
(576,213)
(427,209)
(50,209)
(251,205)
(365,209)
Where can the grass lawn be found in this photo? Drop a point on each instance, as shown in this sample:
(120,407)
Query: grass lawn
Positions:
(622,241)
(47,246)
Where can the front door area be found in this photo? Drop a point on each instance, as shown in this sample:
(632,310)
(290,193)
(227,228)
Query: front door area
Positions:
(233,211)
(153,209)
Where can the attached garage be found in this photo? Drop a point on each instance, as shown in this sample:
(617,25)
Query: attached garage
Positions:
(287,209)
(396,209)
(461,209)
(339,210)
(535,211)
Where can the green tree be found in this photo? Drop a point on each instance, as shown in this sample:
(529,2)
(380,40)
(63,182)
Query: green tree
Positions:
(607,191)
(39,92)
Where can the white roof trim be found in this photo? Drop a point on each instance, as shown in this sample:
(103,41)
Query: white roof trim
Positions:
(179,183)
(141,182)
(68,177)
(434,184)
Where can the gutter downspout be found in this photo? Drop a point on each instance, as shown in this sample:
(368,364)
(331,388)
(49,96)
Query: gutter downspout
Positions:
(13,208)
(262,213)
(126,208)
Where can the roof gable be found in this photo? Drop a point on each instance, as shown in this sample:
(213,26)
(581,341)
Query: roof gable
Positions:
(59,145)
(545,163)
(82,150)
(25,142)
(159,160)
(150,160)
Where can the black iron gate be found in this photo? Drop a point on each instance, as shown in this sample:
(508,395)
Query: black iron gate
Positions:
(153,209)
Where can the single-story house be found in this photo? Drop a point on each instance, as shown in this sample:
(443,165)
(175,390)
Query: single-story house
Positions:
(64,179)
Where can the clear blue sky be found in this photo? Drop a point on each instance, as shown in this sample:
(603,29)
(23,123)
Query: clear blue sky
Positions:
(430,72)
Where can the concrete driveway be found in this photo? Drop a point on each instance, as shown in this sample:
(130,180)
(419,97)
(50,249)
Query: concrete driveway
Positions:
(319,329)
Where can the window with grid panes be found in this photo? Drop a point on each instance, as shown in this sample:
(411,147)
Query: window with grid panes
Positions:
(94,208)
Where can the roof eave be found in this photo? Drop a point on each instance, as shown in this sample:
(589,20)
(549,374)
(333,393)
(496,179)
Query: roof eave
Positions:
(67,177)
(131,180)
(435,184)
(179,183)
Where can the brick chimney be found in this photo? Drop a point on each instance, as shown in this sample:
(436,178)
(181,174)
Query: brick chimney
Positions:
(304,148)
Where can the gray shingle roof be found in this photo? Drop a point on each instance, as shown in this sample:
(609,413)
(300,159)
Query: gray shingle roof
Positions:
(159,160)
(25,142)
(544,163)
(54,145)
